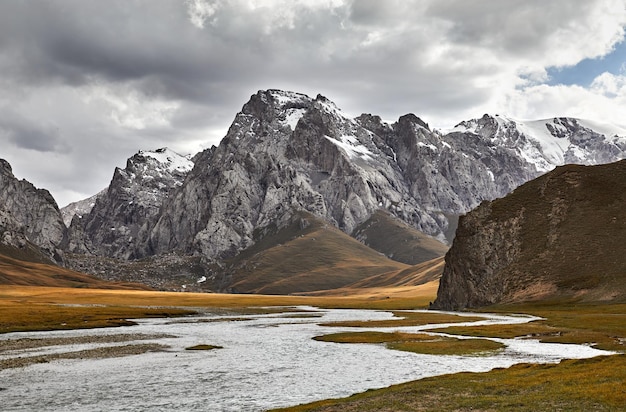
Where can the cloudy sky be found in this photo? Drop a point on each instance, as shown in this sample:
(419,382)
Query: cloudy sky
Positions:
(84,84)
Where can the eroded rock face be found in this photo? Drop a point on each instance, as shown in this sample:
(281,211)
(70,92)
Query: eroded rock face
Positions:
(482,247)
(112,226)
(29,214)
(559,236)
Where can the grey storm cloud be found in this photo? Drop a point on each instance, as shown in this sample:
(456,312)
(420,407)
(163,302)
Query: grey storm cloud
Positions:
(94,81)
(26,134)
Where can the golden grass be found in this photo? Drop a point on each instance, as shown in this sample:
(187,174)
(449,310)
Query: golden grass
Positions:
(603,325)
(318,257)
(595,384)
(416,342)
(25,273)
(44,308)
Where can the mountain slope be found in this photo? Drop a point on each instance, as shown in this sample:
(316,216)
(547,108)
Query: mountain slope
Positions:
(314,256)
(558,236)
(25,273)
(397,240)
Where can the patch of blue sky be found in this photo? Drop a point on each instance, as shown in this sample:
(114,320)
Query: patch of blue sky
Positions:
(587,70)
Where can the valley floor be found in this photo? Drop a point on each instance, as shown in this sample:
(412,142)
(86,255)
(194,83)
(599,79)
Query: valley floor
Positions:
(591,384)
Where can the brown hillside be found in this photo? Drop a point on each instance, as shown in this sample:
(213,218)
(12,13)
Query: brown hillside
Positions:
(306,256)
(20,272)
(397,240)
(559,236)
(413,276)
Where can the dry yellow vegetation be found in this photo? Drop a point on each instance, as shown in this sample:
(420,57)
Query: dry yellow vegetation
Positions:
(46,308)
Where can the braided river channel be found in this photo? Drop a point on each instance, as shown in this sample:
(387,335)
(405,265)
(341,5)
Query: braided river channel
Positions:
(266,361)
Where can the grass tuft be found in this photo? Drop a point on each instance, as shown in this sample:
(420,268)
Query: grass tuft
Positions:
(204,347)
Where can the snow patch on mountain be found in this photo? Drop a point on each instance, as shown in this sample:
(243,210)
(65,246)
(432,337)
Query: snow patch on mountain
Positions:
(170,159)
(352,147)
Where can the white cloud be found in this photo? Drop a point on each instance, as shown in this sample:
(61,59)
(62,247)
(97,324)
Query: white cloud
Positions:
(604,101)
(200,11)
(130,108)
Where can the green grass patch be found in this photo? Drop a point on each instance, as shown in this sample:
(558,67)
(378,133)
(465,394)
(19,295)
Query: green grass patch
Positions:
(41,317)
(416,342)
(595,384)
(204,347)
(601,325)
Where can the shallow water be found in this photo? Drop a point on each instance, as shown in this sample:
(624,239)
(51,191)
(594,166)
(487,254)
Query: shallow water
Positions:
(267,361)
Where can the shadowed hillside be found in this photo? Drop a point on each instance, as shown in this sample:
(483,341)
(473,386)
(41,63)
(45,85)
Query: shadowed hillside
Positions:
(559,236)
(19,272)
(397,240)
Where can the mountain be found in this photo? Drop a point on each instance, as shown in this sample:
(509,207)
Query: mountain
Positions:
(80,208)
(559,236)
(551,142)
(31,225)
(307,255)
(133,197)
(284,153)
(397,188)
(397,240)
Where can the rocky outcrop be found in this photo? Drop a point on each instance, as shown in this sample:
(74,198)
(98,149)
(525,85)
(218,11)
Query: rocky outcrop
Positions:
(559,236)
(135,195)
(29,216)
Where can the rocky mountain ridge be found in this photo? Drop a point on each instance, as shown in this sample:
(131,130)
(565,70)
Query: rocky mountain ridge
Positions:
(287,153)
(134,196)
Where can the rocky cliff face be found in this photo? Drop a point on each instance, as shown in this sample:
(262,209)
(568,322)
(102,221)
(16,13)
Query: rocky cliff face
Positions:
(80,208)
(29,216)
(558,236)
(134,197)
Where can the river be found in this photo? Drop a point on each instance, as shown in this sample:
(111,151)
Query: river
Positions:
(267,361)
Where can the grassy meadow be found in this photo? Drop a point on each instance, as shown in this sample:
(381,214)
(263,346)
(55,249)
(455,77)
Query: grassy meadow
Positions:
(24,308)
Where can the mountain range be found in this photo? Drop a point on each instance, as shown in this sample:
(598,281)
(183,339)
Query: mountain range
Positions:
(293,190)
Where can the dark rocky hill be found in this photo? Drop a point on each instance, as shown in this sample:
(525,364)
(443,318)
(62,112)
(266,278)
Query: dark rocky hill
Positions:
(560,236)
(31,224)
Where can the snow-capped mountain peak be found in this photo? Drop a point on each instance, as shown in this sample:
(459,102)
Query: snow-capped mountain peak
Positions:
(548,143)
